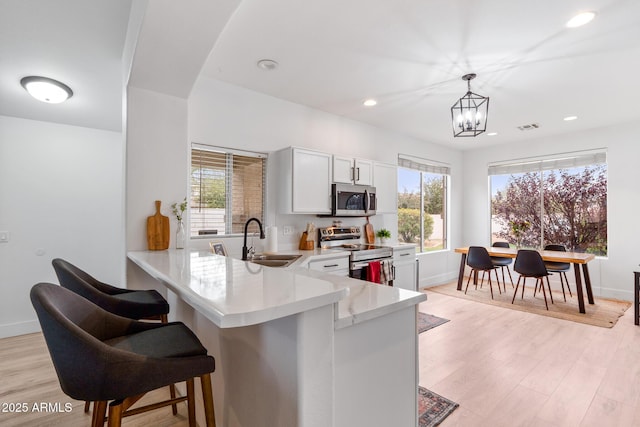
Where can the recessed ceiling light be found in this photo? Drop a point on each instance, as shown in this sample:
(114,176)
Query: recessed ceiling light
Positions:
(370,102)
(492,133)
(267,64)
(569,118)
(581,19)
(46,90)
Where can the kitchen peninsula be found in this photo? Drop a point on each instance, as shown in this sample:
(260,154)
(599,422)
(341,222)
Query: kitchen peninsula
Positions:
(295,347)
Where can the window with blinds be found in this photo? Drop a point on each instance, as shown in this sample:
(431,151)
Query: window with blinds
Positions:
(227,188)
(422,202)
(559,199)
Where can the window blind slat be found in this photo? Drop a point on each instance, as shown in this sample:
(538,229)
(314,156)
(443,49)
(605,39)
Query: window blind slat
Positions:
(227,188)
(423,165)
(565,161)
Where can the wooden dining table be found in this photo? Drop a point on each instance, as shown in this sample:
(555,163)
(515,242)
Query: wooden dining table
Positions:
(576,258)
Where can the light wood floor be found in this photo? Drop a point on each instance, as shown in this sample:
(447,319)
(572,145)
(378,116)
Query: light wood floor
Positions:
(510,368)
(504,368)
(27,377)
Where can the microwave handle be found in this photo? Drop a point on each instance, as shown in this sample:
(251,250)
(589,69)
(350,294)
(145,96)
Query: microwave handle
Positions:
(366,201)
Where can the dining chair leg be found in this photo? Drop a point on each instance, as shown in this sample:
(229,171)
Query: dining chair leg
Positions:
(544,293)
(468,280)
(115,414)
(497,279)
(207,397)
(191,403)
(510,278)
(87,406)
(490,285)
(549,286)
(516,291)
(562,285)
(524,282)
(99,410)
(567,282)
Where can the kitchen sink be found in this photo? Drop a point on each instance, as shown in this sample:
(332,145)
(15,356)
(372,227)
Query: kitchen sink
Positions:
(274,260)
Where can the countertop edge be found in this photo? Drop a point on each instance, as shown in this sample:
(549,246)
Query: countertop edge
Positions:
(238,319)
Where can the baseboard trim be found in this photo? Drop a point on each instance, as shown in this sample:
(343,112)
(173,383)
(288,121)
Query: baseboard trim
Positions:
(21,328)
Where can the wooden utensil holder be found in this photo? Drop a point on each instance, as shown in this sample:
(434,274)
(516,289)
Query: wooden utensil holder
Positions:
(305,245)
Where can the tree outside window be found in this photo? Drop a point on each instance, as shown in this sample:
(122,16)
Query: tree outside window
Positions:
(566,206)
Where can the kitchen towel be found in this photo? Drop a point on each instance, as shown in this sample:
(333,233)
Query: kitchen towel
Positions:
(385,272)
(373,272)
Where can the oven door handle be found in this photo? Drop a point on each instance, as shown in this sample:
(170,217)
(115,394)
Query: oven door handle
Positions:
(364,264)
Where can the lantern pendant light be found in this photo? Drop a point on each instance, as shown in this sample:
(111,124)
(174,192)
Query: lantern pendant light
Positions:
(469,113)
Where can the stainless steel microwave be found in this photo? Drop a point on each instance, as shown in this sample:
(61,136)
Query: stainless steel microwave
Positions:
(353,200)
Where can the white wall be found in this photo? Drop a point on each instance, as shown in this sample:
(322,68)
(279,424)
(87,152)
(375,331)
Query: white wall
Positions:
(60,196)
(230,116)
(612,276)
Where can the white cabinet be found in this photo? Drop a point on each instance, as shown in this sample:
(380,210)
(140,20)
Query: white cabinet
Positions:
(303,181)
(338,265)
(352,171)
(385,179)
(404,265)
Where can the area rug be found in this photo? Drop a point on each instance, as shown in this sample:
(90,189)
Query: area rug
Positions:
(604,313)
(429,321)
(433,408)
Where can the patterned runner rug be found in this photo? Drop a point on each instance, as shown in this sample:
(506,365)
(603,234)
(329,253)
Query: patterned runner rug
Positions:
(433,408)
(429,321)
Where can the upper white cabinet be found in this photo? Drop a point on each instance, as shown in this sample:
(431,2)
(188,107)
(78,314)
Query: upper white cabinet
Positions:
(385,179)
(352,171)
(304,181)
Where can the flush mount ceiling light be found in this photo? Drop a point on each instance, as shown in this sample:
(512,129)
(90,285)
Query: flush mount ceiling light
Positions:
(570,118)
(370,103)
(267,64)
(469,113)
(46,90)
(581,19)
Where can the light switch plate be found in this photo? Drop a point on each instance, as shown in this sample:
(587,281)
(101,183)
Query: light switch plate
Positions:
(4,236)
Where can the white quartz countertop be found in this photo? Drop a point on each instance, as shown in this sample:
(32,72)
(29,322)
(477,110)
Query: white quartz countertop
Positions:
(233,293)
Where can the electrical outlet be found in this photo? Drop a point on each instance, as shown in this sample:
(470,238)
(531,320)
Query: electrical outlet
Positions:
(287,230)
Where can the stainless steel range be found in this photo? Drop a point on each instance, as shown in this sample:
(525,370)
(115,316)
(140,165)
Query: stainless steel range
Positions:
(348,239)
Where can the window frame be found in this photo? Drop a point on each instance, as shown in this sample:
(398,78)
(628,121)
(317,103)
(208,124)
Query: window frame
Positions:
(426,166)
(541,166)
(229,153)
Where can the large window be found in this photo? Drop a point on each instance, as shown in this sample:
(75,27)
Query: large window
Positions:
(227,188)
(561,200)
(422,203)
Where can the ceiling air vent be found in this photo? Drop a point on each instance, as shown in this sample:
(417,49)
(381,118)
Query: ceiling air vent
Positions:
(530,126)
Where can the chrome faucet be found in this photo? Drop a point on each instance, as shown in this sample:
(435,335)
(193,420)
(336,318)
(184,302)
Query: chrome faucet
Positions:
(245,251)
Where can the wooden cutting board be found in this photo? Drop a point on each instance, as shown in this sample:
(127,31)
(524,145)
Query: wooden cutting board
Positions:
(368,232)
(157,230)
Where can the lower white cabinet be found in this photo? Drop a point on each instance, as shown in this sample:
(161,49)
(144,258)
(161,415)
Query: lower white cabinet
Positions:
(404,265)
(336,265)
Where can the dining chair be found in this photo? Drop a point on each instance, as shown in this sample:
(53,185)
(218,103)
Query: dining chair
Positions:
(559,267)
(112,360)
(502,262)
(479,260)
(133,304)
(529,263)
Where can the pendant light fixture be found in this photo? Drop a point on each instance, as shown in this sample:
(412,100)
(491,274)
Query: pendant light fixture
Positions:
(469,113)
(46,90)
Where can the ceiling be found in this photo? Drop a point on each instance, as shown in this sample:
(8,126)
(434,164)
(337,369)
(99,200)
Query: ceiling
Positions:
(407,54)
(78,42)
